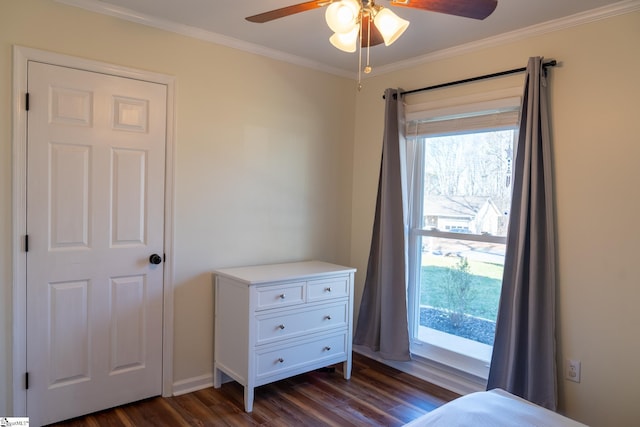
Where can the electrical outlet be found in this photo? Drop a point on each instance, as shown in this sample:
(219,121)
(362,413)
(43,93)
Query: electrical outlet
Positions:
(572,370)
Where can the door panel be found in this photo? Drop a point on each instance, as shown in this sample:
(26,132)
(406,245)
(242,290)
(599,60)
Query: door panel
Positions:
(69,191)
(128,343)
(95,213)
(128,216)
(69,333)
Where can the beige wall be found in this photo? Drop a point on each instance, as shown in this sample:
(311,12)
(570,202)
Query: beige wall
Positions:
(267,169)
(263,158)
(596,148)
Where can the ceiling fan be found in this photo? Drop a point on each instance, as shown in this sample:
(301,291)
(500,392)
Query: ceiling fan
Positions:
(371,24)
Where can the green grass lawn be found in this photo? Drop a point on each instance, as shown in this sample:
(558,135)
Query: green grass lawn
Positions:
(486,284)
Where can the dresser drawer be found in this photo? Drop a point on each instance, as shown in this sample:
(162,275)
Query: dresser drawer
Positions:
(336,287)
(283,358)
(291,323)
(284,295)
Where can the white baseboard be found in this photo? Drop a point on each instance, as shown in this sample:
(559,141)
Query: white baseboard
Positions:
(440,375)
(190,385)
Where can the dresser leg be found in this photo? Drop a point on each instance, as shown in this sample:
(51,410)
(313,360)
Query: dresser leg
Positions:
(346,368)
(248,399)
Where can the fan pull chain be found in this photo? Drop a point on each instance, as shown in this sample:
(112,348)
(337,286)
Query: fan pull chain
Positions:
(367,69)
(360,55)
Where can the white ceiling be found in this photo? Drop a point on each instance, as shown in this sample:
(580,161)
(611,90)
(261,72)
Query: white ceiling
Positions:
(304,38)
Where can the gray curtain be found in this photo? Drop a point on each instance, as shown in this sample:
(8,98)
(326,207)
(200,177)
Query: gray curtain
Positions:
(524,359)
(382,323)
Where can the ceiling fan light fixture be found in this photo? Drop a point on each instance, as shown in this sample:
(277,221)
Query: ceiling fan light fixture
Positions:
(390,25)
(342,16)
(346,42)
(361,24)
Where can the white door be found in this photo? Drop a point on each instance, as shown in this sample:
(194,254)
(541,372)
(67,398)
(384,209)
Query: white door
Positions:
(95,215)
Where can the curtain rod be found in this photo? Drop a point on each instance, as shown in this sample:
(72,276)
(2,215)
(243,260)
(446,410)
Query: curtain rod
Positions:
(551,63)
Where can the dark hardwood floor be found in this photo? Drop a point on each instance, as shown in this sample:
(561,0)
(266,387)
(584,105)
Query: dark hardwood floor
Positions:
(376,395)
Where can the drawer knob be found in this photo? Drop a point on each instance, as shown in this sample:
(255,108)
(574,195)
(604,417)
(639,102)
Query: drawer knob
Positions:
(280,360)
(282,296)
(327,289)
(281,327)
(327,348)
(327,317)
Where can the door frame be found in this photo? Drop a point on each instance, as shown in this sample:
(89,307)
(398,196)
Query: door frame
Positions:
(21,57)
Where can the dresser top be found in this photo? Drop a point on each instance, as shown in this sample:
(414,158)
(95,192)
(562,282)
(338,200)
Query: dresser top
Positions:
(256,274)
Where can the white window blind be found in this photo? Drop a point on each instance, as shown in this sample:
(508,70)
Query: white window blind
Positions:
(492,114)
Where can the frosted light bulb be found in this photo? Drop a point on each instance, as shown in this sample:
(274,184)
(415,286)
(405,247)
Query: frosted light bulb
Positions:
(390,25)
(342,16)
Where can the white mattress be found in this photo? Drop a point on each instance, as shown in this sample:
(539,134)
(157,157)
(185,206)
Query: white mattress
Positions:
(495,408)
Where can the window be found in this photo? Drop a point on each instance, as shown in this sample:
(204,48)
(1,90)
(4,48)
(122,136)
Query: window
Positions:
(460,164)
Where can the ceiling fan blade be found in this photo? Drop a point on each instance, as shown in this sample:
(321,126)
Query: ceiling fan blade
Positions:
(286,11)
(376,37)
(476,9)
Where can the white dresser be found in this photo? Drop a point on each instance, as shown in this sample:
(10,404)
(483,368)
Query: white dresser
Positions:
(279,320)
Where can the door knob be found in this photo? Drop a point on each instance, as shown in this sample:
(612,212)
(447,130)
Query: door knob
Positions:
(155,259)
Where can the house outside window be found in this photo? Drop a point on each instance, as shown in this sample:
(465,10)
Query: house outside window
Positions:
(459,167)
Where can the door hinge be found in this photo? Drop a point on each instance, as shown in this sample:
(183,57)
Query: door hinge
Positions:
(26,243)
(26,380)
(26,101)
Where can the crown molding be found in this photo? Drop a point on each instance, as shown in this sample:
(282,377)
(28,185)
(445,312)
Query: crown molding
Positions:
(615,9)
(200,34)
